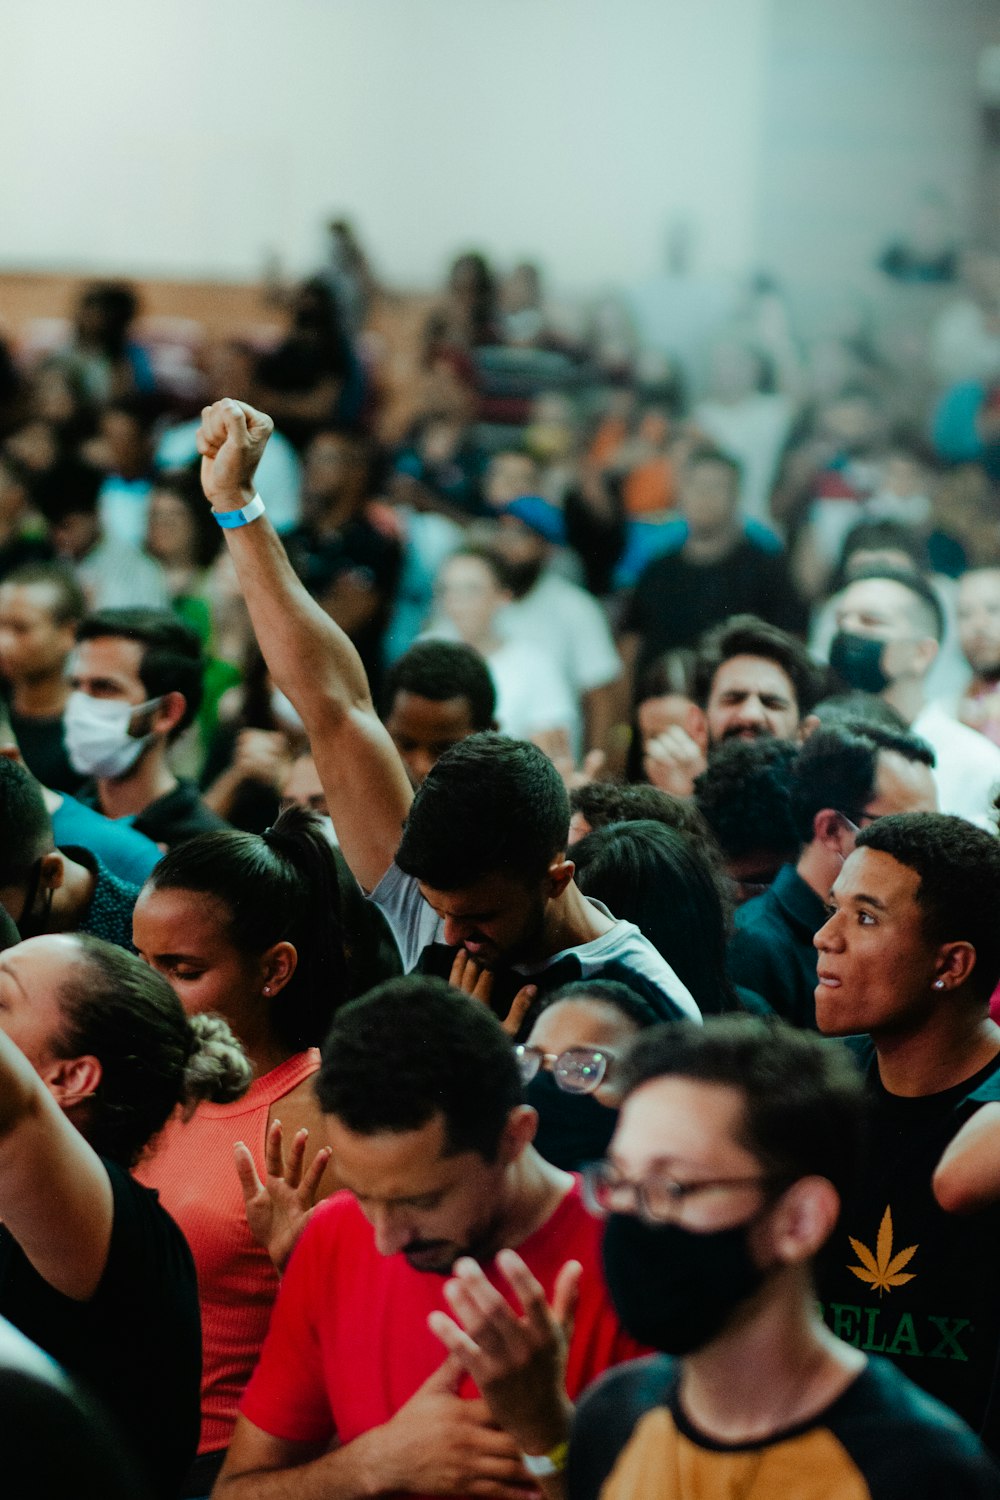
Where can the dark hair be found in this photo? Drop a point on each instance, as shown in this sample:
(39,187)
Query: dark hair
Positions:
(171,660)
(804,1110)
(667,885)
(708,453)
(744,795)
(928,604)
(604,802)
(878,536)
(490,558)
(746,635)
(68,603)
(440,670)
(25,821)
(837,767)
(859,710)
(491,805)
(278,886)
(185,486)
(607,992)
(414,1048)
(70,489)
(152,1056)
(959,891)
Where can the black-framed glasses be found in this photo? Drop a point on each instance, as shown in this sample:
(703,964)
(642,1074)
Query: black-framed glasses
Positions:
(656,1198)
(578,1070)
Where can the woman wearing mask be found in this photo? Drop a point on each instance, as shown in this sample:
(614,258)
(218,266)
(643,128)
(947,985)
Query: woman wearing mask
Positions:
(95,1053)
(245,925)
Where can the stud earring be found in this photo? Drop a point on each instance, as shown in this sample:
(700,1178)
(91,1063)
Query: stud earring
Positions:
(938,984)
(267,989)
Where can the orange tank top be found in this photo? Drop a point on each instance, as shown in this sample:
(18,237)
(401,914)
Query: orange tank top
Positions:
(193,1170)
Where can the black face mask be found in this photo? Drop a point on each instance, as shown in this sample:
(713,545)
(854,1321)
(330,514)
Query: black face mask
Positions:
(673,1289)
(858,661)
(573,1129)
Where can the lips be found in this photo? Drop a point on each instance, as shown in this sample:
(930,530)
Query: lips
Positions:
(827,981)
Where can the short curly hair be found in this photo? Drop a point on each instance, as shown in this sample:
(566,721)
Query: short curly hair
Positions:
(744,795)
(959,891)
(413,1048)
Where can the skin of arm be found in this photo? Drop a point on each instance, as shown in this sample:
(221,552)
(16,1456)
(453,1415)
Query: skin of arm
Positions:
(55,1195)
(436,1444)
(309,657)
(968,1175)
(599,705)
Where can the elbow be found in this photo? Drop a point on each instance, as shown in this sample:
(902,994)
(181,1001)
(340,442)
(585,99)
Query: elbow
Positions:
(955,1190)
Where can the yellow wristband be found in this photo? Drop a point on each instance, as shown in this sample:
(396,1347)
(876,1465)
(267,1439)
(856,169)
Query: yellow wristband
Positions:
(541,1465)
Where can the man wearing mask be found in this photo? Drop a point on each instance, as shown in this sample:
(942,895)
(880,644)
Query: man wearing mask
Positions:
(735,1147)
(136,679)
(889,630)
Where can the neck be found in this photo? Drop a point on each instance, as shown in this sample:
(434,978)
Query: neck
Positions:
(819,869)
(71,899)
(42,697)
(711,548)
(947,1048)
(906,696)
(485,641)
(532,1192)
(149,778)
(776,1367)
(570,921)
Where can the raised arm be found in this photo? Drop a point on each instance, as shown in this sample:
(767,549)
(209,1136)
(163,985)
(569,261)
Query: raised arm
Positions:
(55,1195)
(309,657)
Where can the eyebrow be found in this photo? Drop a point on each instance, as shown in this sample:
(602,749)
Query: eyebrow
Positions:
(5,968)
(860,899)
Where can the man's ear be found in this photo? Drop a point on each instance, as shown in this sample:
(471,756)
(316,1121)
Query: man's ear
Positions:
(518,1133)
(72,1080)
(559,874)
(809,726)
(829,829)
(925,652)
(955,963)
(168,713)
(803,1220)
(53,871)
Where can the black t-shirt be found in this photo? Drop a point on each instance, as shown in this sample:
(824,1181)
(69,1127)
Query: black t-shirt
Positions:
(43,750)
(178,815)
(136,1345)
(675,600)
(906,1279)
(882,1439)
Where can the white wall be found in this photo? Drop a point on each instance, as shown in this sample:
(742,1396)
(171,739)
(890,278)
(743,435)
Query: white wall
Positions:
(190,136)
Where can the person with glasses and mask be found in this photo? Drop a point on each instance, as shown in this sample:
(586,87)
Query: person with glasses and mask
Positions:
(570,1066)
(736,1144)
(844,777)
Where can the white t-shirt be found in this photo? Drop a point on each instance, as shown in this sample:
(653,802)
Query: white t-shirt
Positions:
(570,625)
(532,694)
(968,765)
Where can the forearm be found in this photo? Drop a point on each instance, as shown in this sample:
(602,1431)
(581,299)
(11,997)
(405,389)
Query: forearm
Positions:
(309,656)
(599,706)
(355,1471)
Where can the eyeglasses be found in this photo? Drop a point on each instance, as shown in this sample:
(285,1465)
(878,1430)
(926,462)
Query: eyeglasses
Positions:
(578,1070)
(656,1199)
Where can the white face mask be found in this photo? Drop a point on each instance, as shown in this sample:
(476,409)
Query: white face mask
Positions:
(97,739)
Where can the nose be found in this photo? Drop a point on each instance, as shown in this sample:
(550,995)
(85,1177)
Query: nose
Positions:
(419,763)
(828,939)
(392,1232)
(454,932)
(751,711)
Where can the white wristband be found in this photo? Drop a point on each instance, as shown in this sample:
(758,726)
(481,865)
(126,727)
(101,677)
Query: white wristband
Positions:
(230,519)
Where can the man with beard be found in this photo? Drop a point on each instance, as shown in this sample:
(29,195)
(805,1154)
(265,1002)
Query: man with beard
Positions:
(735,1146)
(481,874)
(978,609)
(430,1135)
(751,681)
(889,628)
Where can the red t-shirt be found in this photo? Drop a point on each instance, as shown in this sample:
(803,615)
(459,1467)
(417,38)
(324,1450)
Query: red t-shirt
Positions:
(349,1342)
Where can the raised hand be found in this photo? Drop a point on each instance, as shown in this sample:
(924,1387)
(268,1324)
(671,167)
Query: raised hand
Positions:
(476,981)
(441,1444)
(672,761)
(279,1208)
(518,1363)
(231,439)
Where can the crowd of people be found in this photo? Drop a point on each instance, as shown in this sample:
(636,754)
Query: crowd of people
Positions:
(499,958)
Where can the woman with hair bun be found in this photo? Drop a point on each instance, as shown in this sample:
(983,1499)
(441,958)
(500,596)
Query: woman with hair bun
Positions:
(95,1054)
(245,925)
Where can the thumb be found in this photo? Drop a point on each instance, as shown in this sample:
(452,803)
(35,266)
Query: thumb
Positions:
(445,1380)
(566,1296)
(246,1171)
(523,1001)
